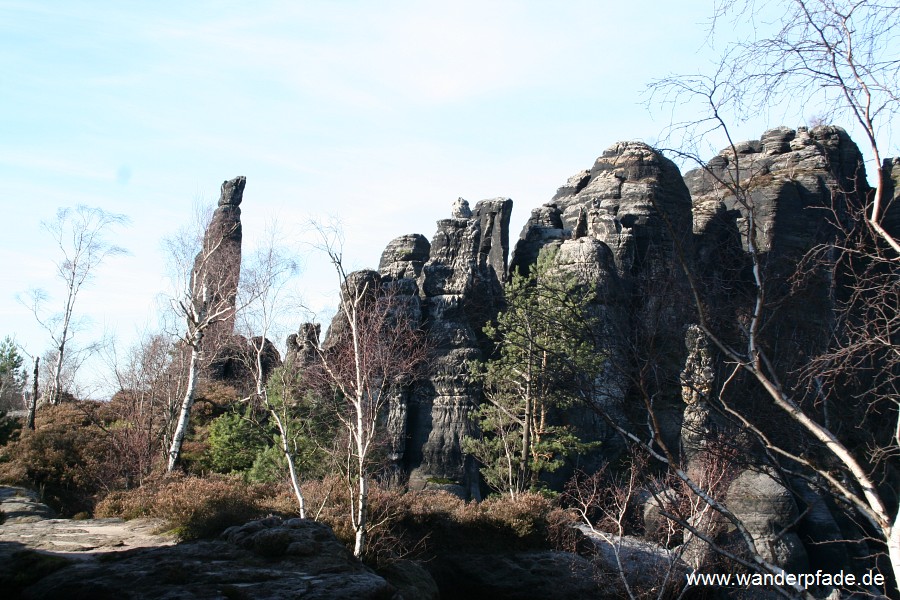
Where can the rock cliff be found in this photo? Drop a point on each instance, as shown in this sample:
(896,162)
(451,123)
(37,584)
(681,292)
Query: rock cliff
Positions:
(461,288)
(624,227)
(632,227)
(617,226)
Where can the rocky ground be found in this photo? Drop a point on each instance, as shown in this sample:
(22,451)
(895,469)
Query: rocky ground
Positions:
(49,558)
(29,523)
(43,557)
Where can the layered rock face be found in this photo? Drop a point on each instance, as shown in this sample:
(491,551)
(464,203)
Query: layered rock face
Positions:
(461,289)
(789,176)
(627,227)
(219,259)
(798,185)
(218,267)
(617,226)
(453,286)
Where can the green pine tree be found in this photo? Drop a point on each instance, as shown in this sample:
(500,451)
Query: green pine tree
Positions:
(13,375)
(546,359)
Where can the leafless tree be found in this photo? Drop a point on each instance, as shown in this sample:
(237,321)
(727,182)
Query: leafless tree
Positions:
(843,59)
(80,235)
(262,294)
(842,56)
(204,300)
(148,380)
(606,505)
(372,349)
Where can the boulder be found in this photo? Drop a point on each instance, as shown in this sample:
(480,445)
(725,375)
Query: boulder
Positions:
(404,257)
(537,575)
(768,511)
(412,580)
(644,565)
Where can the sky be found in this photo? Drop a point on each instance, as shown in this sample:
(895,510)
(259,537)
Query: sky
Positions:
(378,114)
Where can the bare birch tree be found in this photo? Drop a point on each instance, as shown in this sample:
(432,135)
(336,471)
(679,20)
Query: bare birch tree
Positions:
(843,59)
(80,235)
(148,380)
(262,294)
(205,298)
(371,351)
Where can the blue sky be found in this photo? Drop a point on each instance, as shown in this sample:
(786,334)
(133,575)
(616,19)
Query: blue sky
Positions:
(378,113)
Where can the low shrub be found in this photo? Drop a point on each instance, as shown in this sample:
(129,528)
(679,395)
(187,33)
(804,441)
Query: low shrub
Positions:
(424,524)
(66,457)
(524,516)
(198,507)
(414,525)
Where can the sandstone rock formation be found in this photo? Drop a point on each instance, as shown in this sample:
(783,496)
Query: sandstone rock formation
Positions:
(302,346)
(219,261)
(790,179)
(404,257)
(697,386)
(216,273)
(452,286)
(461,290)
(619,222)
(621,227)
(629,227)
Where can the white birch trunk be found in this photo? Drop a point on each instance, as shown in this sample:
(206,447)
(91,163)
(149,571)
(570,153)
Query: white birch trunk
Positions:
(362,509)
(185,415)
(363,498)
(286,450)
(56,392)
(893,544)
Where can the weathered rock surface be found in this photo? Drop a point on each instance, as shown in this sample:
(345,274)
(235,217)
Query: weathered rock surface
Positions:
(110,558)
(404,257)
(461,289)
(643,565)
(219,260)
(697,387)
(217,267)
(625,226)
(768,511)
(790,176)
(20,505)
(536,575)
(31,523)
(412,580)
(302,347)
(620,221)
